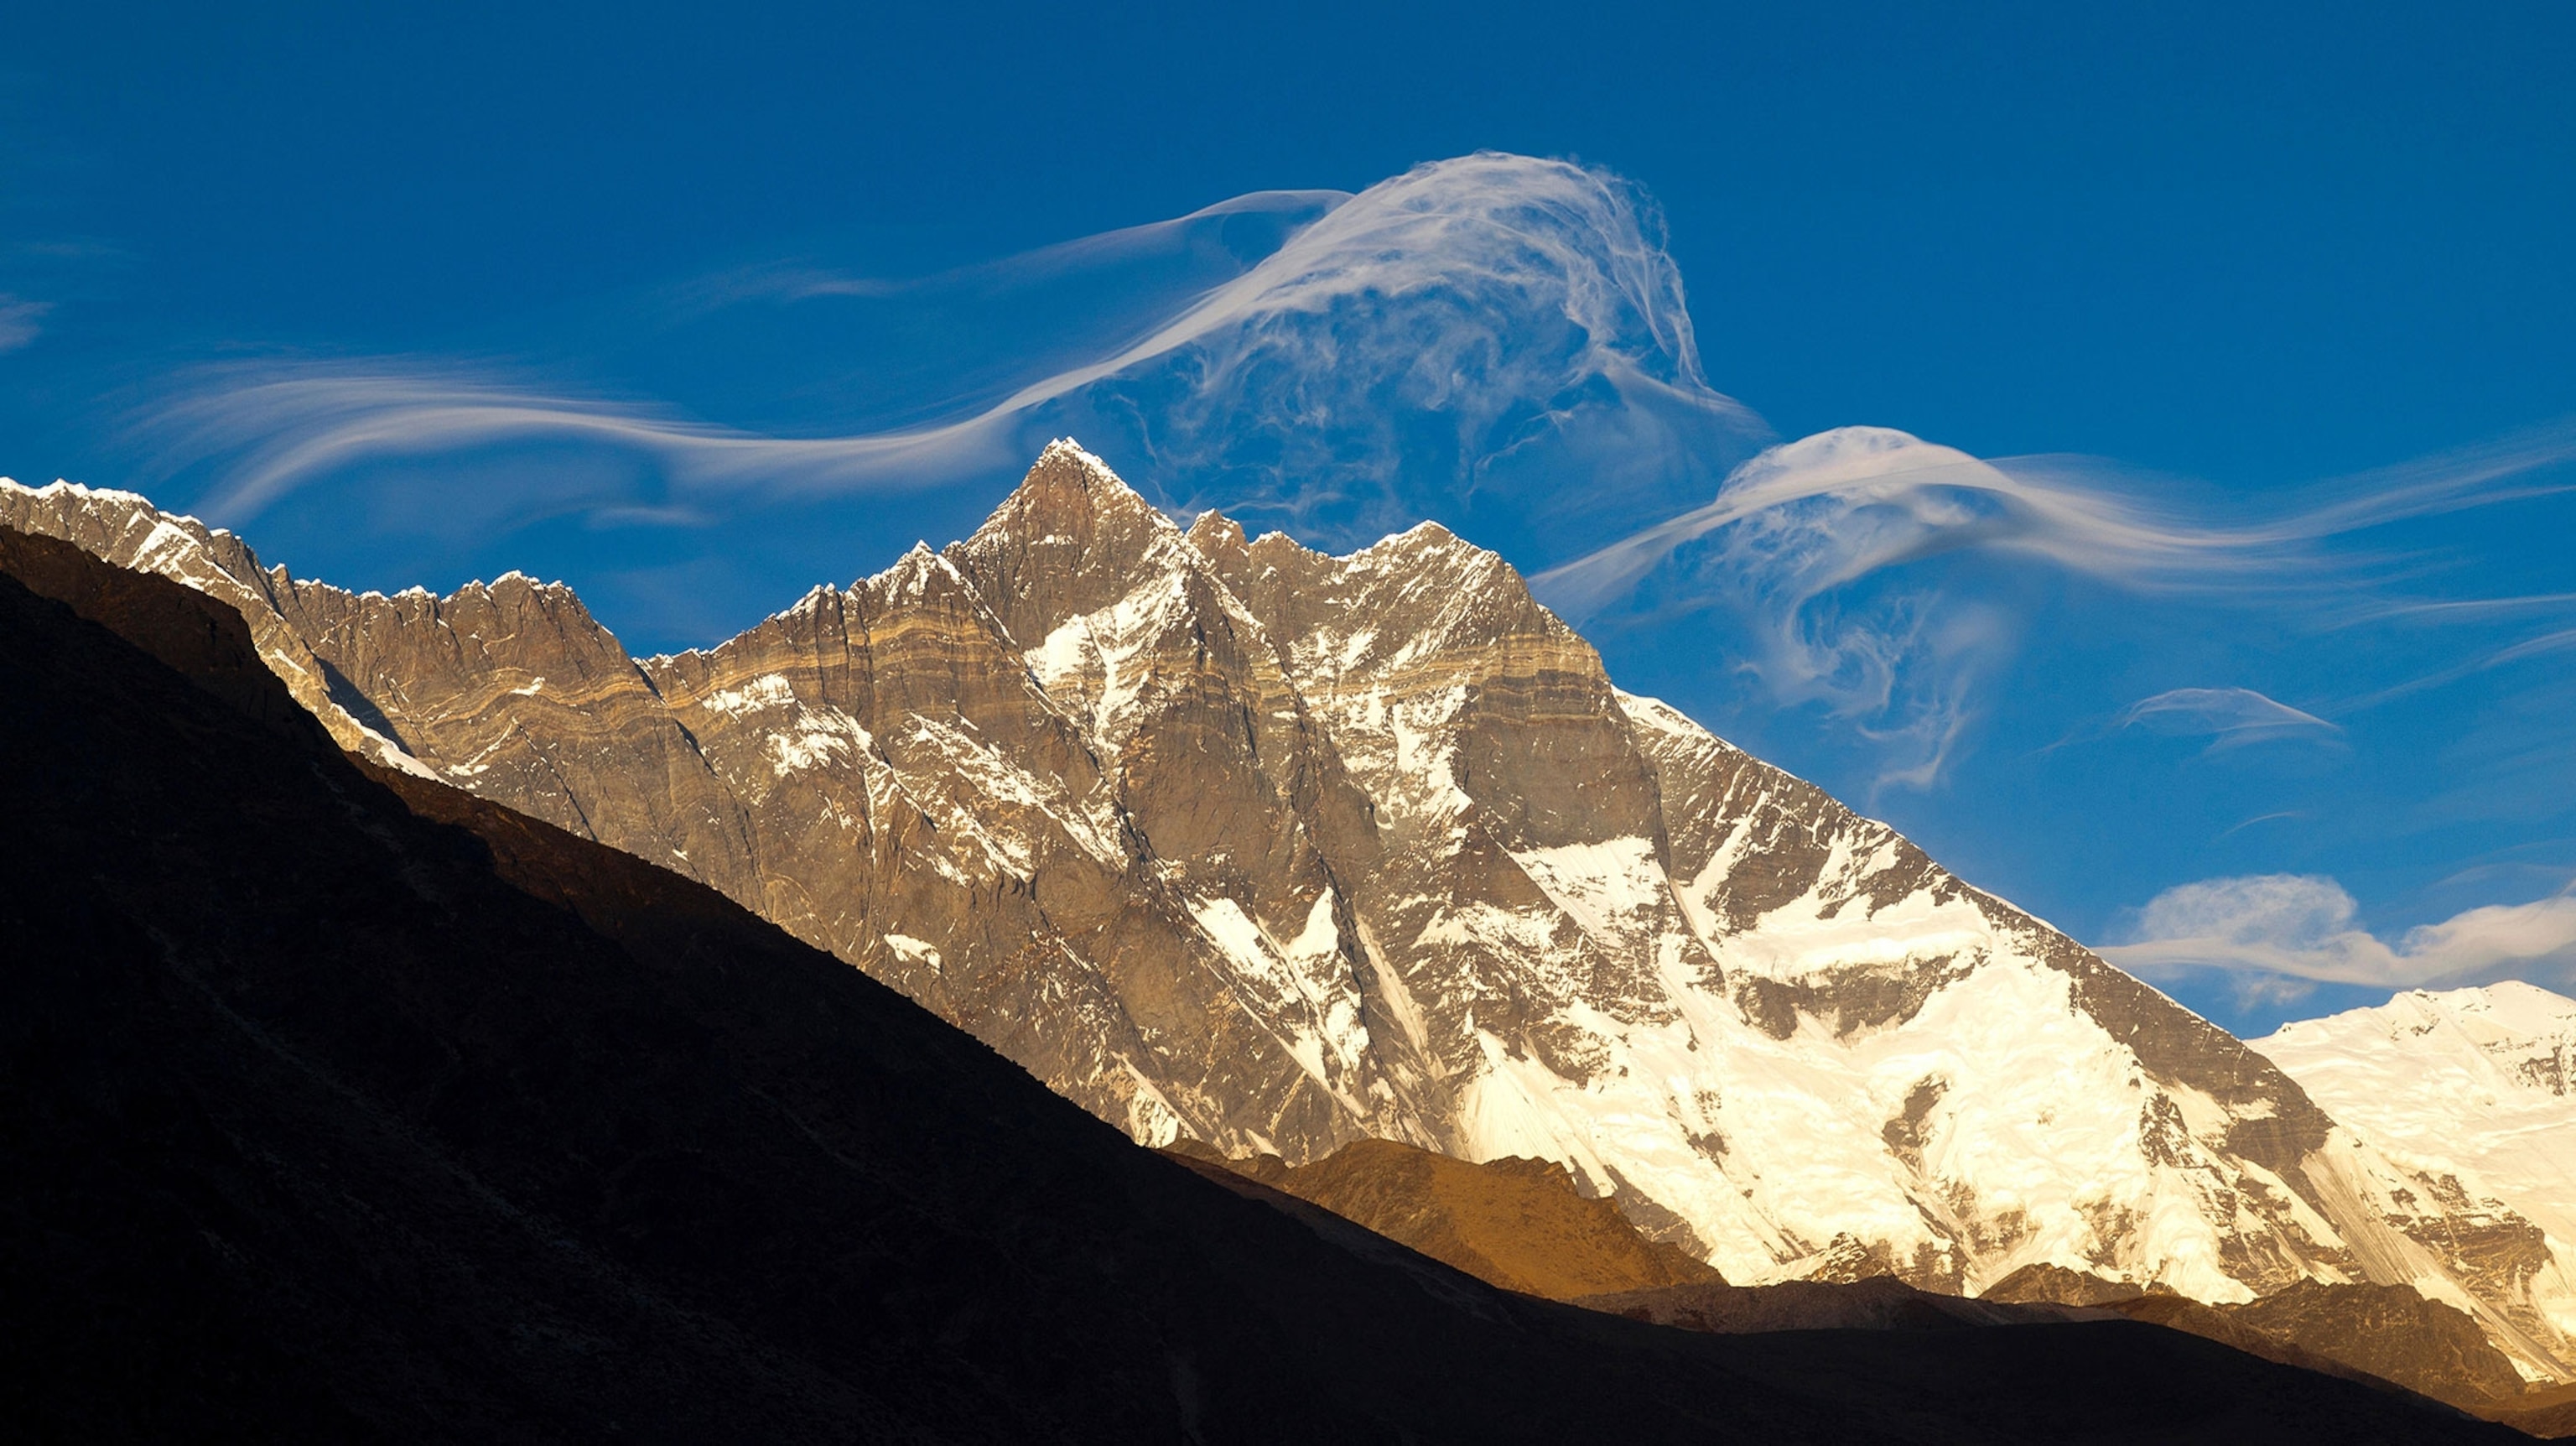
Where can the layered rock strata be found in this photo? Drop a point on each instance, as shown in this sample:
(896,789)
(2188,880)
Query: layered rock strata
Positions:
(1236,841)
(342,1106)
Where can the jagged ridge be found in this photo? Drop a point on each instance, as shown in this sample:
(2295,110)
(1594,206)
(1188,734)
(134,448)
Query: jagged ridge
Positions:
(1276,850)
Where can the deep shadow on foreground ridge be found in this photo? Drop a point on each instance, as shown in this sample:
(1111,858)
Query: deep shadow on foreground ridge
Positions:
(339,1105)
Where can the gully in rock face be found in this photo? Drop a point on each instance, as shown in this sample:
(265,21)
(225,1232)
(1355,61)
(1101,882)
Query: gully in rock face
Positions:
(1231,840)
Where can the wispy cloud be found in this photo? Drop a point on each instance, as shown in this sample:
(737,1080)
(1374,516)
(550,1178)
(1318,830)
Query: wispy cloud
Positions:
(1849,502)
(294,425)
(2482,661)
(2276,816)
(2476,607)
(1808,545)
(2233,717)
(1396,347)
(2557,642)
(791,281)
(19,320)
(1783,548)
(1499,341)
(2296,926)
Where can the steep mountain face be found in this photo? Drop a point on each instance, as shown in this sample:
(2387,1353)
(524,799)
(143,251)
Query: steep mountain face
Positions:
(2468,1099)
(2393,1333)
(341,1105)
(1237,841)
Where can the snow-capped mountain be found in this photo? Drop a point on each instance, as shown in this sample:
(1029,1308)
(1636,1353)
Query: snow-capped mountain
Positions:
(2470,1094)
(1234,840)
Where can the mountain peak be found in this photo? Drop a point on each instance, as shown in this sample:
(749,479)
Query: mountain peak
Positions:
(61,487)
(912,576)
(1071,539)
(1278,849)
(1214,529)
(1067,449)
(2501,1014)
(1220,539)
(1069,489)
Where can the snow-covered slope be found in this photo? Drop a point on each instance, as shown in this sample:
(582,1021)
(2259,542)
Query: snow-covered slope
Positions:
(2470,1095)
(1237,840)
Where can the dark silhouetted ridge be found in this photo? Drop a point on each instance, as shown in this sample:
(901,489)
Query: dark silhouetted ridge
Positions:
(338,1106)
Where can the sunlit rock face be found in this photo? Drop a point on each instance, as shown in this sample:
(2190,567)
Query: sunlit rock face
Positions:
(1237,841)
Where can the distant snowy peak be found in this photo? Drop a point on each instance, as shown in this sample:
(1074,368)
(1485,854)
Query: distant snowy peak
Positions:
(2463,1099)
(2525,1032)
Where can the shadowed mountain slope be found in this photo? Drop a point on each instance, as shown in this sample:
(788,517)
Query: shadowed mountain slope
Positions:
(2388,1332)
(1881,1303)
(1230,840)
(339,1105)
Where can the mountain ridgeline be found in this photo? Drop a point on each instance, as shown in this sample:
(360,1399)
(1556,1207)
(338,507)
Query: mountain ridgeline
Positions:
(340,1105)
(1237,842)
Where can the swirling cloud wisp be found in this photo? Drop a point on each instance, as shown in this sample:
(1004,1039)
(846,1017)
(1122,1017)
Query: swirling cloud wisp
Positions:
(1389,358)
(19,321)
(1498,342)
(1823,551)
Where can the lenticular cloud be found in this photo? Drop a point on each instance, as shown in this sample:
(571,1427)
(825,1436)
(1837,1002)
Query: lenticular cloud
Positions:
(1882,577)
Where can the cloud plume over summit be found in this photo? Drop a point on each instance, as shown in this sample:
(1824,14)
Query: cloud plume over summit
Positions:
(1493,327)
(1503,344)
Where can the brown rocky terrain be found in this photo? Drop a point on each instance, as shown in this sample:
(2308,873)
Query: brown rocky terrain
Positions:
(1516,1223)
(1521,1225)
(2548,1414)
(2393,1332)
(341,1105)
(1879,1302)
(1230,840)
(2389,1332)
(2056,1285)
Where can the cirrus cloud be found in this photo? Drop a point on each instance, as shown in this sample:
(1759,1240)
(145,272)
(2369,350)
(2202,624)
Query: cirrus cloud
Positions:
(18,320)
(1392,355)
(2233,717)
(1498,342)
(1827,553)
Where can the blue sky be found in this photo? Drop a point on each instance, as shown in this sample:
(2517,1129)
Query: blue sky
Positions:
(2126,449)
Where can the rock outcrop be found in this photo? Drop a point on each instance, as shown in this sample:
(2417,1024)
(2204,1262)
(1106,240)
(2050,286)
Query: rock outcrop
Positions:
(1879,1303)
(1515,1223)
(1236,841)
(2383,1332)
(341,1105)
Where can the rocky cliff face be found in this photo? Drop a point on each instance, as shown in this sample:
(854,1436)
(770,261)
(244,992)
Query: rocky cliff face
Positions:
(1237,841)
(2385,1332)
(343,1106)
